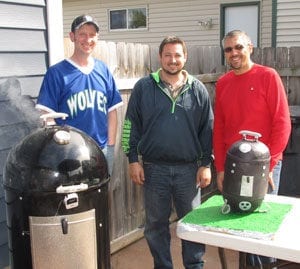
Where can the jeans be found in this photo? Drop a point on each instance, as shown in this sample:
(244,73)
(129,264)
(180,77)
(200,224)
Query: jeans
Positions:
(167,185)
(109,152)
(256,260)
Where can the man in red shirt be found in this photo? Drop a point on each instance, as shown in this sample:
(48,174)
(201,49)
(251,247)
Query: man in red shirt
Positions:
(249,97)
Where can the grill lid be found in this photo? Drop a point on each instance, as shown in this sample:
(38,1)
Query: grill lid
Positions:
(249,148)
(54,156)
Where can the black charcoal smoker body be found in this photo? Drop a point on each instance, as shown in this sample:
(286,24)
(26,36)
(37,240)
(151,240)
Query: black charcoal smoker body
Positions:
(246,174)
(55,183)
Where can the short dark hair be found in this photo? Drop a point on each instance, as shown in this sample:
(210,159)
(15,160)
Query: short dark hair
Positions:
(235,33)
(172,40)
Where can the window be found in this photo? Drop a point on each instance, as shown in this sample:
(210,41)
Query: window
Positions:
(128,19)
(243,16)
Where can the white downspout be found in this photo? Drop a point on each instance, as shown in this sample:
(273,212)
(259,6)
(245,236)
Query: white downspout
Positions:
(55,31)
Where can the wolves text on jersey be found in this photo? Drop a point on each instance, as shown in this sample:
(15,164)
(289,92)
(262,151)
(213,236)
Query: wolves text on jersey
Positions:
(87,99)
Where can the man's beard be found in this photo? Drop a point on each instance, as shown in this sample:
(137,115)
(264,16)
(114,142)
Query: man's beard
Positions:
(172,73)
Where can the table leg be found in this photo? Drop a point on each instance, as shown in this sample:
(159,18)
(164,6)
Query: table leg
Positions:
(222,257)
(278,264)
(242,260)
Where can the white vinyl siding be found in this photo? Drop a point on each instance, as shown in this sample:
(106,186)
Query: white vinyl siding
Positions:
(288,23)
(23,62)
(166,18)
(28,2)
(265,24)
(23,48)
(25,17)
(12,37)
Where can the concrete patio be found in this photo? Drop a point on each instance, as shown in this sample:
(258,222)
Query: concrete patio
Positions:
(137,256)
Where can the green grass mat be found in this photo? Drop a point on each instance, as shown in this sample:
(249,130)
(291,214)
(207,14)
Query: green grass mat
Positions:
(256,224)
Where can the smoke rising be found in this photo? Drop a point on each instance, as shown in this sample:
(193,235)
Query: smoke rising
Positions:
(23,105)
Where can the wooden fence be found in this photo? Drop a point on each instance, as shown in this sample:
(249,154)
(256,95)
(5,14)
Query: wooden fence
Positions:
(128,62)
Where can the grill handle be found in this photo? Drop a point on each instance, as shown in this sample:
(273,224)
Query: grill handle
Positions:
(48,118)
(72,188)
(250,135)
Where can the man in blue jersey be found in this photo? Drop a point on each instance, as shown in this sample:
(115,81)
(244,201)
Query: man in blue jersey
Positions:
(84,88)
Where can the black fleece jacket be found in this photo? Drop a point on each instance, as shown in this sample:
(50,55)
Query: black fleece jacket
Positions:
(167,130)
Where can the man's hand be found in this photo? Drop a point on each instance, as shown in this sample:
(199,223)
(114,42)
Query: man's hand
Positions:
(203,176)
(136,173)
(270,181)
(220,179)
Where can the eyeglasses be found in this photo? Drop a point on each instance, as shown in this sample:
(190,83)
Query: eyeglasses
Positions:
(238,47)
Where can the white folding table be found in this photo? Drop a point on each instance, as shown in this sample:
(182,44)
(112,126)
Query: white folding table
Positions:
(285,245)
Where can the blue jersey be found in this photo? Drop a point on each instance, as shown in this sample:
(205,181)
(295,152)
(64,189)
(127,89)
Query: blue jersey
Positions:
(85,97)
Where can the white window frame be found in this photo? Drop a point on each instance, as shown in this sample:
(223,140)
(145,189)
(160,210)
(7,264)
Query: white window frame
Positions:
(127,10)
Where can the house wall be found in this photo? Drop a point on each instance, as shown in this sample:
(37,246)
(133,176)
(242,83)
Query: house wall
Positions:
(288,23)
(166,17)
(23,62)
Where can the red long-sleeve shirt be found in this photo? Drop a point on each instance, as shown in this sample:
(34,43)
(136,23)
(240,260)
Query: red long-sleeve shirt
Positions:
(254,101)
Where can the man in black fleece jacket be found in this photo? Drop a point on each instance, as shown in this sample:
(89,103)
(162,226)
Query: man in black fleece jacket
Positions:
(169,123)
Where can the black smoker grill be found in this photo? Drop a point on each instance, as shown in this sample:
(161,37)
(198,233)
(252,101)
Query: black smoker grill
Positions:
(56,194)
(246,174)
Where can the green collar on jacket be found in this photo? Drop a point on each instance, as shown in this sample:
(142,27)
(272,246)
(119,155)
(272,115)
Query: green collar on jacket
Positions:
(156,77)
